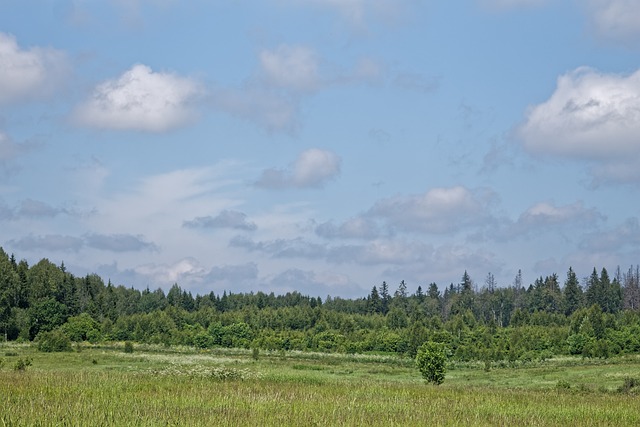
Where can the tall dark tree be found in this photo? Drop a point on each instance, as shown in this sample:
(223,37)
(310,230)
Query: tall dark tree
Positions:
(594,293)
(631,288)
(374,301)
(385,298)
(572,293)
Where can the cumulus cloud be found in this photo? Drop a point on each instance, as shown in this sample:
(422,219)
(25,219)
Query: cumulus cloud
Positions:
(184,270)
(439,210)
(49,242)
(546,214)
(140,99)
(617,20)
(592,116)
(544,217)
(118,242)
(312,169)
(29,73)
(225,219)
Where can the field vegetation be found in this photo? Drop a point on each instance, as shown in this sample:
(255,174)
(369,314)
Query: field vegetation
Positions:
(102,385)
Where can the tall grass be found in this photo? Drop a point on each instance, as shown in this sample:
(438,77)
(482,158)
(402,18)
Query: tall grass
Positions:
(149,391)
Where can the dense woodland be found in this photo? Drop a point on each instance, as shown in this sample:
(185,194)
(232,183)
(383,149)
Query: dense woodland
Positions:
(598,316)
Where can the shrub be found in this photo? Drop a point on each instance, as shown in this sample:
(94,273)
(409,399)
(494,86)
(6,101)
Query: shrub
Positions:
(53,341)
(628,385)
(431,361)
(128,347)
(203,340)
(22,364)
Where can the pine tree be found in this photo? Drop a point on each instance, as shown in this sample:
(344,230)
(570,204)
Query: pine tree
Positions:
(374,301)
(572,292)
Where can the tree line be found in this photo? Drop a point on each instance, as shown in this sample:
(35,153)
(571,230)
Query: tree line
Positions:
(597,316)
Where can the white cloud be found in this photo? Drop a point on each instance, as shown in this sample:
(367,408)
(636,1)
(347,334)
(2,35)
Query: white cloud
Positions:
(592,116)
(291,67)
(615,19)
(140,99)
(28,74)
(546,214)
(185,270)
(313,168)
(439,210)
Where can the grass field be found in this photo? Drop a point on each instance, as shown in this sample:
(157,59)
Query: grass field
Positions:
(158,386)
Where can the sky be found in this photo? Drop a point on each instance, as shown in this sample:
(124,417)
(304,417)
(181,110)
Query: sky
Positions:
(320,146)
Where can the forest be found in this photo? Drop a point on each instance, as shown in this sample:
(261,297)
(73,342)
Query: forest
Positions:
(595,317)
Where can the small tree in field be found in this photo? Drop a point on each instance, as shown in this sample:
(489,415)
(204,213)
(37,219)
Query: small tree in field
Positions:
(431,360)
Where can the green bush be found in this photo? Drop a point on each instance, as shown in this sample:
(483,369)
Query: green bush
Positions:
(128,347)
(431,361)
(22,364)
(203,340)
(53,341)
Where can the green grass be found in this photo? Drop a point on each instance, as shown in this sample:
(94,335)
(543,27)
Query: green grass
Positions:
(159,386)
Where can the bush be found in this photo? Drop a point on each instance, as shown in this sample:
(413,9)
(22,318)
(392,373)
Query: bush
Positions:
(431,361)
(53,341)
(128,347)
(629,385)
(22,364)
(203,340)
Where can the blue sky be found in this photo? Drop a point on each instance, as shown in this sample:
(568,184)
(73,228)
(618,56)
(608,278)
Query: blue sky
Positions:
(322,146)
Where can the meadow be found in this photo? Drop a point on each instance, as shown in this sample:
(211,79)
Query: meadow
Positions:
(158,386)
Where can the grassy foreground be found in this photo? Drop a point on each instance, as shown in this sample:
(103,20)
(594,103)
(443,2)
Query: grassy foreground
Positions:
(153,386)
